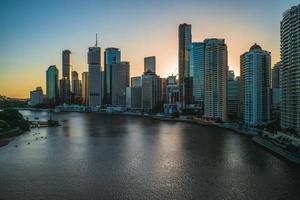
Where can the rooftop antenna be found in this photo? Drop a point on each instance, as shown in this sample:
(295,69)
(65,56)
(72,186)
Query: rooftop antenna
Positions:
(96,40)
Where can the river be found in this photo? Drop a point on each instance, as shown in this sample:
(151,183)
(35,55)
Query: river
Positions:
(93,156)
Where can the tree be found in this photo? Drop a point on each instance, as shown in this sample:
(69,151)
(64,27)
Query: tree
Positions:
(14,119)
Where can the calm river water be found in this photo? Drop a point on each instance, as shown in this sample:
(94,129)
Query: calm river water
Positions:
(94,156)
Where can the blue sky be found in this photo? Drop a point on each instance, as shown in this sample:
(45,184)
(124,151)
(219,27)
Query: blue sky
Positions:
(34,32)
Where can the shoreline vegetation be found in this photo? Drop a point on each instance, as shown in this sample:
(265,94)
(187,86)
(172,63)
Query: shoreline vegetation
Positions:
(12,123)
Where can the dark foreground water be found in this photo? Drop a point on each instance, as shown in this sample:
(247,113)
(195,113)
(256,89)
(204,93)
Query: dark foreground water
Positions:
(112,157)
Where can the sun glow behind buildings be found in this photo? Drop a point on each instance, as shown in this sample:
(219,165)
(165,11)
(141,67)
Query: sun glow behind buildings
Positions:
(34,33)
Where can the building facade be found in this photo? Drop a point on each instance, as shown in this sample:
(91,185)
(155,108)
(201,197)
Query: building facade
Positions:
(185,39)
(216,68)
(233,95)
(84,88)
(150,90)
(64,91)
(52,85)
(150,64)
(197,65)
(76,88)
(120,81)
(94,77)
(111,55)
(36,96)
(290,69)
(255,70)
(136,81)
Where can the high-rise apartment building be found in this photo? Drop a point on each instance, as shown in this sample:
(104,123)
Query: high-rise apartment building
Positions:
(255,73)
(290,69)
(215,89)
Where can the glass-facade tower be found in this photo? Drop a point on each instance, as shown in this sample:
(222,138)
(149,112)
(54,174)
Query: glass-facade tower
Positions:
(111,55)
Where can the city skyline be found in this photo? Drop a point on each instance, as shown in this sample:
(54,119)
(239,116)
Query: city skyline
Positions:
(38,39)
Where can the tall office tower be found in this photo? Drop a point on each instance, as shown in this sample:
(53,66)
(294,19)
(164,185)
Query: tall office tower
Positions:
(111,55)
(255,72)
(150,90)
(94,77)
(136,81)
(120,81)
(233,95)
(64,94)
(52,86)
(185,39)
(150,64)
(215,89)
(164,83)
(290,69)
(84,88)
(197,65)
(276,91)
(76,88)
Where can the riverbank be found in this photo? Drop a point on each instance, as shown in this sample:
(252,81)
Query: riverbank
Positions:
(198,121)
(11,133)
(276,149)
(6,135)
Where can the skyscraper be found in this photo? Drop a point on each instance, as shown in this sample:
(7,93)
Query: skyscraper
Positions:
(84,88)
(150,64)
(276,91)
(233,95)
(120,81)
(52,84)
(163,83)
(150,90)
(136,81)
(76,88)
(66,75)
(66,64)
(64,92)
(255,72)
(216,68)
(134,93)
(290,65)
(197,65)
(276,76)
(94,76)
(111,55)
(185,39)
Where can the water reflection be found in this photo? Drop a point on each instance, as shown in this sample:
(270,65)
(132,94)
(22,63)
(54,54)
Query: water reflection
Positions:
(113,157)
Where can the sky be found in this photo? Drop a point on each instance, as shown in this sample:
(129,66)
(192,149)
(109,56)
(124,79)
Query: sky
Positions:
(33,33)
